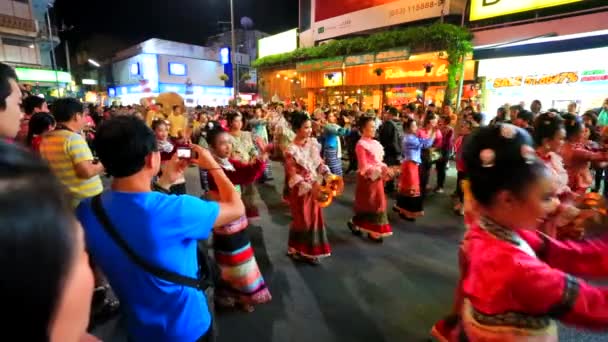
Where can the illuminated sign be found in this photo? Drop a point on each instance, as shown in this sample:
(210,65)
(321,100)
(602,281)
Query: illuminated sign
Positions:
(225,55)
(177,69)
(320,64)
(86,81)
(483,9)
(332,79)
(111,92)
(197,90)
(135,69)
(42,75)
(279,43)
(568,77)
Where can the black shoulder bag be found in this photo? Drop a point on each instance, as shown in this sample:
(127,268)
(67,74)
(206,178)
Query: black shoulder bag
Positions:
(208,272)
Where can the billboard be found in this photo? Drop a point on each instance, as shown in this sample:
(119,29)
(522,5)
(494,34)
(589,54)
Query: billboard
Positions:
(484,9)
(279,43)
(334,18)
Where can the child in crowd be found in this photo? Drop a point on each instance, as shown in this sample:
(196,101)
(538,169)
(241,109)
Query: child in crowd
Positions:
(39,124)
(167,148)
(516,282)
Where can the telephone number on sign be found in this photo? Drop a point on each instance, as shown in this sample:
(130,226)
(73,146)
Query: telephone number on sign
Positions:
(414,8)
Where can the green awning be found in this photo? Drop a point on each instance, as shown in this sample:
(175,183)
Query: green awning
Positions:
(43,75)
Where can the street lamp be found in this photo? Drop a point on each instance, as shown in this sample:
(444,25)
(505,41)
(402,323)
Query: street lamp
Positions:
(94,63)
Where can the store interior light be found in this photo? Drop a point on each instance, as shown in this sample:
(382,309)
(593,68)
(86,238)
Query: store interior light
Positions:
(285,78)
(31,46)
(278,75)
(371,65)
(94,63)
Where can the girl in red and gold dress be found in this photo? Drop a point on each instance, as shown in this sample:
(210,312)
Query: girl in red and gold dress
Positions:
(305,171)
(370,199)
(515,281)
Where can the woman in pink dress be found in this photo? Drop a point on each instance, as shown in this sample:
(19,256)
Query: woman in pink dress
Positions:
(370,200)
(577,159)
(305,171)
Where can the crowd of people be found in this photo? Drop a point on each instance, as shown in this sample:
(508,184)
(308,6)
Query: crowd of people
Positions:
(523,187)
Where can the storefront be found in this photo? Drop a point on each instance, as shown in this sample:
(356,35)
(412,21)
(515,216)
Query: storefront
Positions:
(46,82)
(391,77)
(556,79)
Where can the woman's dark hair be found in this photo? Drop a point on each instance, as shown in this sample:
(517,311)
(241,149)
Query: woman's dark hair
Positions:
(573,124)
(230,117)
(363,120)
(32,102)
(500,158)
(157,123)
(407,125)
(591,115)
(37,243)
(427,119)
(593,133)
(39,123)
(501,113)
(213,134)
(122,144)
(298,119)
(546,126)
(7,73)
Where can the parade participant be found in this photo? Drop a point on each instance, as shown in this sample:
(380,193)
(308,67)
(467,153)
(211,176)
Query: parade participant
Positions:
(410,200)
(259,130)
(577,158)
(39,124)
(390,135)
(167,149)
(178,124)
(243,150)
(446,149)
(332,148)
(241,283)
(513,191)
(431,154)
(370,201)
(304,168)
(466,128)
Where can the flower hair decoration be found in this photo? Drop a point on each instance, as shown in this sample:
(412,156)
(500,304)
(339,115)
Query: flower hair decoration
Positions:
(487,157)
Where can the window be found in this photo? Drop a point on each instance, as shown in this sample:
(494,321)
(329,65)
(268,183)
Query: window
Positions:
(17,42)
(177,69)
(135,71)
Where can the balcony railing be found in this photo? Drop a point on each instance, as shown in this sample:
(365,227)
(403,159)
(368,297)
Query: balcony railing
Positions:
(17,23)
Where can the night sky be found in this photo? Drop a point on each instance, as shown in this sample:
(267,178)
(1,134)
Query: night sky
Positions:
(188,21)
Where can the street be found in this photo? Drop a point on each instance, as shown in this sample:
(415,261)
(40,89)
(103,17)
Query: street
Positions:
(365,291)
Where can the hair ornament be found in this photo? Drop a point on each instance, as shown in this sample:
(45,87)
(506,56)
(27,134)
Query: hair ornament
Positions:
(487,157)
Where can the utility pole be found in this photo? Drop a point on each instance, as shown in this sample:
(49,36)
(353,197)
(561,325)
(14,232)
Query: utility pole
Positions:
(235,81)
(53,60)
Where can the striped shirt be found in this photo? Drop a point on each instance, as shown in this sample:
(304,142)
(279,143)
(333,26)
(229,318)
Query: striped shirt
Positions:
(64,149)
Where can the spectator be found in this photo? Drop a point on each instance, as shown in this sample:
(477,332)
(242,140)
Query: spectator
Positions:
(31,105)
(536,107)
(390,136)
(39,124)
(69,155)
(46,278)
(603,114)
(572,108)
(162,229)
(10,102)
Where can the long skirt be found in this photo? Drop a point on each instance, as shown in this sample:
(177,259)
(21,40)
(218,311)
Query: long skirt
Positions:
(370,208)
(409,200)
(241,279)
(307,234)
(330,155)
(248,196)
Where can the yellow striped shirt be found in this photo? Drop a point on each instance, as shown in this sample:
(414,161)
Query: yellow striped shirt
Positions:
(63,149)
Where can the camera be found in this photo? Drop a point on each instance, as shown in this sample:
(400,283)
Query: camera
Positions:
(184,153)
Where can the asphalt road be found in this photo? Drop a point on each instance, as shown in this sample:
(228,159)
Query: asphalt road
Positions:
(365,291)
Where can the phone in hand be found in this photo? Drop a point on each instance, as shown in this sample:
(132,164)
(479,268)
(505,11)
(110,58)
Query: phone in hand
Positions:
(184,153)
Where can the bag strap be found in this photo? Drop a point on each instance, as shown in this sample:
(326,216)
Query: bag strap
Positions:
(158,272)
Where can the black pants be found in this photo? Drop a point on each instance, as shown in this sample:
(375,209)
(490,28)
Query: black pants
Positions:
(441,165)
(459,178)
(425,175)
(391,160)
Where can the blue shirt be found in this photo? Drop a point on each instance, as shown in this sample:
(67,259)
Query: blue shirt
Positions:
(331,133)
(413,146)
(163,230)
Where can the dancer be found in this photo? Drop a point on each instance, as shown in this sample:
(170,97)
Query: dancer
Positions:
(305,168)
(466,127)
(332,148)
(167,149)
(241,280)
(243,150)
(577,158)
(259,130)
(409,200)
(370,200)
(513,190)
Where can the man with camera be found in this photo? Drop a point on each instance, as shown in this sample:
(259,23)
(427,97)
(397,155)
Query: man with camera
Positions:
(146,241)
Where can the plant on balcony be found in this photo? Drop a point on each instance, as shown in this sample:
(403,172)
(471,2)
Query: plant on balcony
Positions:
(224,77)
(245,77)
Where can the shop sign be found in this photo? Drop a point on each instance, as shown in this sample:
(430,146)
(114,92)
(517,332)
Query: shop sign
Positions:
(420,72)
(393,55)
(333,79)
(43,75)
(359,59)
(534,80)
(594,76)
(320,64)
(484,9)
